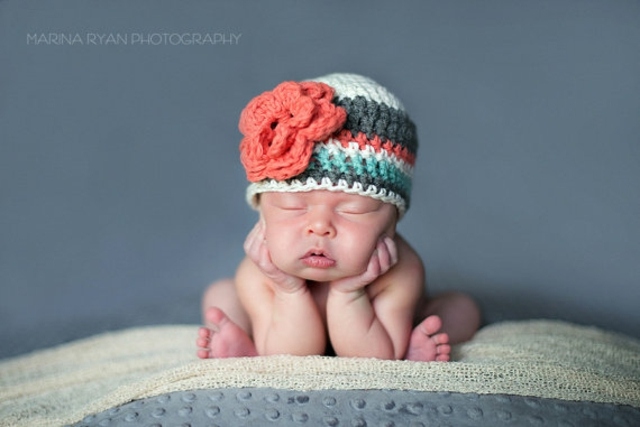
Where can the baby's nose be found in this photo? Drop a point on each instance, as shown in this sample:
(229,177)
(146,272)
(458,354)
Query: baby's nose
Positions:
(321,224)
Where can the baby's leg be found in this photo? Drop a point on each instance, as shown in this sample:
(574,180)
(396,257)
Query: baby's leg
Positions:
(223,294)
(226,325)
(449,318)
(427,343)
(460,315)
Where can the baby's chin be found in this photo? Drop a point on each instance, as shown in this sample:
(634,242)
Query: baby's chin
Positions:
(325,275)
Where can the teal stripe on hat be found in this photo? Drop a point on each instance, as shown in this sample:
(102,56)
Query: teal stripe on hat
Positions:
(355,168)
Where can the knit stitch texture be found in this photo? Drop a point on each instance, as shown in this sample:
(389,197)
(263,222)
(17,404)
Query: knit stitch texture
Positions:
(341,132)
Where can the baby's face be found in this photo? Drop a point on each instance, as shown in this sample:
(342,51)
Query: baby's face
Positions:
(323,235)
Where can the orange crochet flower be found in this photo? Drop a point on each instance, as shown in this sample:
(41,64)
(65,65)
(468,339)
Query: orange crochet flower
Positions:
(281,127)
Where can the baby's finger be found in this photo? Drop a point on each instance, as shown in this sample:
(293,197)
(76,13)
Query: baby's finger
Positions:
(263,258)
(250,238)
(254,243)
(390,244)
(374,269)
(387,253)
(383,256)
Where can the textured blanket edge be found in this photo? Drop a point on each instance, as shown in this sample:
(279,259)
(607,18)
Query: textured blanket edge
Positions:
(546,359)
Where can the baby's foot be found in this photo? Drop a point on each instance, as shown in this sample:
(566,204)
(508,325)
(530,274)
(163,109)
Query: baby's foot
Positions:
(426,344)
(223,338)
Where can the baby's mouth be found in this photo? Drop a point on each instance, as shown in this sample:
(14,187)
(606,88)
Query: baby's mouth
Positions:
(318,259)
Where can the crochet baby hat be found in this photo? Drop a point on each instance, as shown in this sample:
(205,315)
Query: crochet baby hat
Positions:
(340,132)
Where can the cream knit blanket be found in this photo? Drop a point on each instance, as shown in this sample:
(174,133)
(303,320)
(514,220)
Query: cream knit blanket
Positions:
(547,359)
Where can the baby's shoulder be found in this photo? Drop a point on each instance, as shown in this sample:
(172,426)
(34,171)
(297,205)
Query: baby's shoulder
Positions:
(248,275)
(406,277)
(408,258)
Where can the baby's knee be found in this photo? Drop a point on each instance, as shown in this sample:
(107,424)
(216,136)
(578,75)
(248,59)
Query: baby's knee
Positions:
(464,303)
(218,285)
(220,289)
(462,315)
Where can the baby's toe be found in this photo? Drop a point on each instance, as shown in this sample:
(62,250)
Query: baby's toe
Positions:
(443,358)
(442,338)
(431,325)
(204,354)
(443,349)
(202,342)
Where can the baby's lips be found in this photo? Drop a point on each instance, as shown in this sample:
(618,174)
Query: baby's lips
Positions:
(318,261)
(318,252)
(318,258)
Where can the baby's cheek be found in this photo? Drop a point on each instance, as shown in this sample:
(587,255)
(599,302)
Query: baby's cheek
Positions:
(360,251)
(275,251)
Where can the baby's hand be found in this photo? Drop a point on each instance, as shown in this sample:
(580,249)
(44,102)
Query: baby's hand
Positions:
(383,258)
(255,246)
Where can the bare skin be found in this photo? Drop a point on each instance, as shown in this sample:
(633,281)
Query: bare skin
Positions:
(317,262)
(223,338)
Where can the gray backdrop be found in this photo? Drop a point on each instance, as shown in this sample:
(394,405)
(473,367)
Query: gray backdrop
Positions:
(122,195)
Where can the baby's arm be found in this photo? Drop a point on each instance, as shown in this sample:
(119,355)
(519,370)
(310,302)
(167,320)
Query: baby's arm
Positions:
(283,313)
(371,315)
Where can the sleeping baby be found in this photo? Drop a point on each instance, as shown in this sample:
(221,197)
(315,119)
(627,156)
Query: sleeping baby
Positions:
(329,163)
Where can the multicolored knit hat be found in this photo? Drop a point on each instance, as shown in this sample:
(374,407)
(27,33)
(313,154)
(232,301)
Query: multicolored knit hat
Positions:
(341,132)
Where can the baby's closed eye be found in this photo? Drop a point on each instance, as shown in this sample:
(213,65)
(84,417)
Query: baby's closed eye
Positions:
(358,208)
(352,211)
(291,207)
(288,202)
